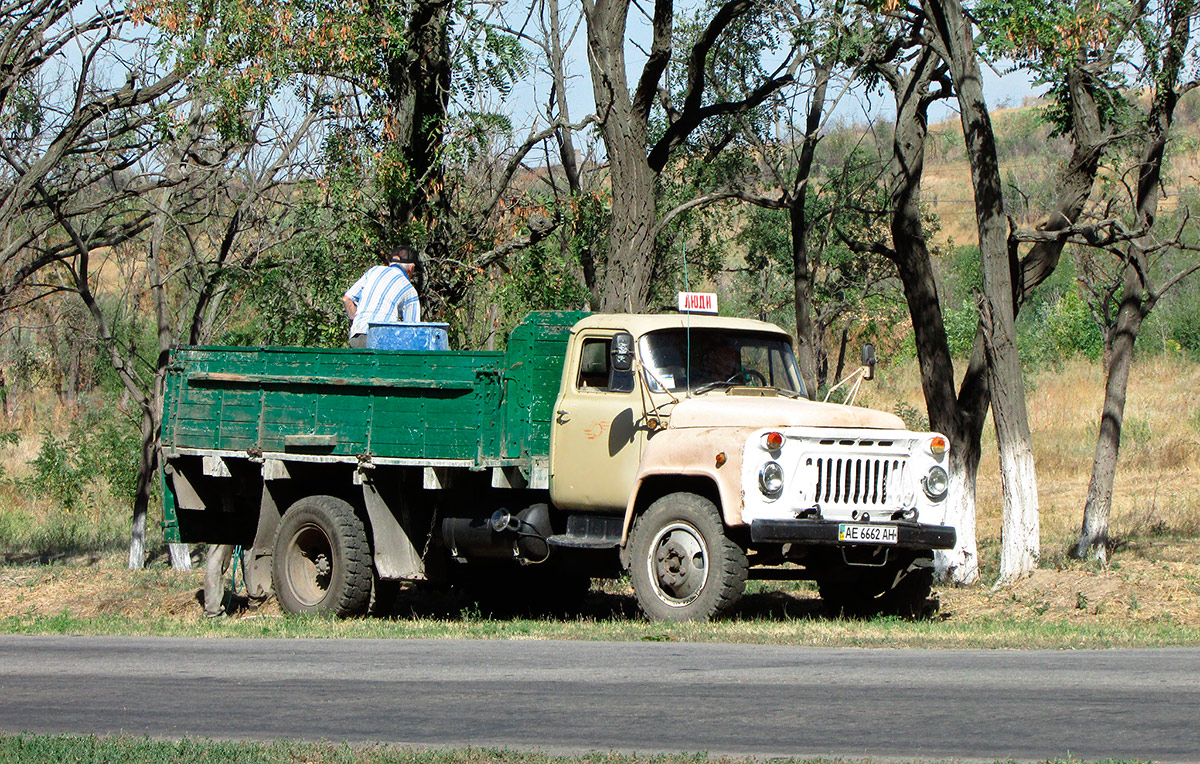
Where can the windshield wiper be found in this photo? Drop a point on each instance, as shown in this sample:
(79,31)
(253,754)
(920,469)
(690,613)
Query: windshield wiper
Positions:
(713,386)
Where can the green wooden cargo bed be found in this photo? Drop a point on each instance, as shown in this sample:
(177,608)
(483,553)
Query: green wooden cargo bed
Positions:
(447,408)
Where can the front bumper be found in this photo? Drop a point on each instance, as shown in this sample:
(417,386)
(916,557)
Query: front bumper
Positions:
(825,533)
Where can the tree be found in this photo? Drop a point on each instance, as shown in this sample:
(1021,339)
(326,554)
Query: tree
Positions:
(206,219)
(788,162)
(636,157)
(74,132)
(952,37)
(69,131)
(407,68)
(904,58)
(1164,35)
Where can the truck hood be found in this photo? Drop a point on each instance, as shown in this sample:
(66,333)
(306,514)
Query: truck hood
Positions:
(717,409)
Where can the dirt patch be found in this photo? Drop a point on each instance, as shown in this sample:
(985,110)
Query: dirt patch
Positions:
(1164,587)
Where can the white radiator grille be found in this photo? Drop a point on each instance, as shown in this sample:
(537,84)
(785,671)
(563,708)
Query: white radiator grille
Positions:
(857,481)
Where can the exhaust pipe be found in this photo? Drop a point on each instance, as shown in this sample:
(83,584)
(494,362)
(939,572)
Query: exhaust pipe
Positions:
(503,536)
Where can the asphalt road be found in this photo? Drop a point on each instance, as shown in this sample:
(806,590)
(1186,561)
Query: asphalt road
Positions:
(646,697)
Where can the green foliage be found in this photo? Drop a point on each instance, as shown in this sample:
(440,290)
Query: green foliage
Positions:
(63,532)
(961,323)
(1180,316)
(101,444)
(1056,329)
(850,289)
(765,290)
(913,418)
(545,276)
(1050,38)
(1054,324)
(22,115)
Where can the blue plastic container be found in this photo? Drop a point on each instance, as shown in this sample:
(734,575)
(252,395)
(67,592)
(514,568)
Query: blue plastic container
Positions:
(423,336)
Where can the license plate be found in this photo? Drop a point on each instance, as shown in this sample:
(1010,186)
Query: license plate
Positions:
(867,534)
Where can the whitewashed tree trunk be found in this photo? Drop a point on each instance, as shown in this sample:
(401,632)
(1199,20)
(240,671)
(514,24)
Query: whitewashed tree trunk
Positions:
(181,556)
(997,306)
(137,543)
(1020,538)
(960,565)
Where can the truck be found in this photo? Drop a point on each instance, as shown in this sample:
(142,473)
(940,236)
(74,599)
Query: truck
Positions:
(681,450)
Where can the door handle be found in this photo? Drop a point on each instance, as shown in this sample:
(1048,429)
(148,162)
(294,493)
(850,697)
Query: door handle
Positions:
(562,413)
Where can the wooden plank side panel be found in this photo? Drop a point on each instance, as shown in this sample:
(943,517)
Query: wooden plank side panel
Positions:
(247,398)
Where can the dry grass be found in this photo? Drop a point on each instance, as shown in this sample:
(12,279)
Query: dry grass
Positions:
(946,182)
(1157,490)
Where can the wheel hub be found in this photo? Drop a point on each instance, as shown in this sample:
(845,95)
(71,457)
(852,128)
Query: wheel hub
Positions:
(310,564)
(680,565)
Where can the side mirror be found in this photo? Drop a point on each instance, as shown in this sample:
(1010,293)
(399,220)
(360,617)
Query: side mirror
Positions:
(622,351)
(868,360)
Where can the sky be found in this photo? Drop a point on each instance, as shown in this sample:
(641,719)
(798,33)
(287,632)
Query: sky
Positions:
(526,103)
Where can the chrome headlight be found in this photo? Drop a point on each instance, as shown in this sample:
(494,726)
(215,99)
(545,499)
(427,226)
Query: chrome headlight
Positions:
(770,479)
(936,483)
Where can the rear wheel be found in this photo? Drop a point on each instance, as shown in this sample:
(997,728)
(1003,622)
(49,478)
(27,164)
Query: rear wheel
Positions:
(322,562)
(682,565)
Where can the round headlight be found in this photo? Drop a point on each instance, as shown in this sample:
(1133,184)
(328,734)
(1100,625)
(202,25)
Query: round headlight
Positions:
(936,483)
(770,479)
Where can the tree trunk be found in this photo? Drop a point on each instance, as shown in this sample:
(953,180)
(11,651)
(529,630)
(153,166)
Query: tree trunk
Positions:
(418,95)
(566,151)
(914,266)
(1020,541)
(802,288)
(147,461)
(631,248)
(1137,298)
(1093,539)
(1019,534)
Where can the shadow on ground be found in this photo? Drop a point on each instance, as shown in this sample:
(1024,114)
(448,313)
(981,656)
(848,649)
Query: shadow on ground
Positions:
(602,606)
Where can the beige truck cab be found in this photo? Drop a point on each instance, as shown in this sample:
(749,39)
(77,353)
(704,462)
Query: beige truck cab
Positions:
(698,433)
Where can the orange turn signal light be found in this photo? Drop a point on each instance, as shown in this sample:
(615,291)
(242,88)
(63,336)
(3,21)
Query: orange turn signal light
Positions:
(772,441)
(938,446)
(721,459)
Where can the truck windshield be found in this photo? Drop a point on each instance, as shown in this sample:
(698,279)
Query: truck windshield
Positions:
(710,359)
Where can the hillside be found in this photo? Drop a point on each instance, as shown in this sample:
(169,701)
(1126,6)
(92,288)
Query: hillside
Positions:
(1030,160)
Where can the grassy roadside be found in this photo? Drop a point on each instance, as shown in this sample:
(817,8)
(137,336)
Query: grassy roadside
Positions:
(878,633)
(35,749)
(1152,602)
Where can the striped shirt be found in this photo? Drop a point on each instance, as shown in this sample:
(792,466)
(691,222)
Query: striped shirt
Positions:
(382,295)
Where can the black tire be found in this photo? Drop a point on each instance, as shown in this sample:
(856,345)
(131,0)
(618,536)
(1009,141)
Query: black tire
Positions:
(682,565)
(897,589)
(322,562)
(909,598)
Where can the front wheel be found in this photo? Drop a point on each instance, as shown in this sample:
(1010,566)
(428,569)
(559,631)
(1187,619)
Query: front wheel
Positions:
(682,565)
(322,562)
(899,589)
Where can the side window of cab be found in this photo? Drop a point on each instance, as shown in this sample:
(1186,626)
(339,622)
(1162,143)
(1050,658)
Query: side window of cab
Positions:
(596,373)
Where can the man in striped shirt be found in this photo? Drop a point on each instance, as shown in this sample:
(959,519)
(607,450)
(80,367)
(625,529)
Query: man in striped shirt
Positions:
(383,294)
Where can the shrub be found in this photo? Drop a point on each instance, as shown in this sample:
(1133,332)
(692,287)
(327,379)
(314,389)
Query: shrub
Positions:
(101,445)
(960,327)
(913,418)
(1058,329)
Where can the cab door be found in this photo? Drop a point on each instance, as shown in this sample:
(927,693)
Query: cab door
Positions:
(597,435)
